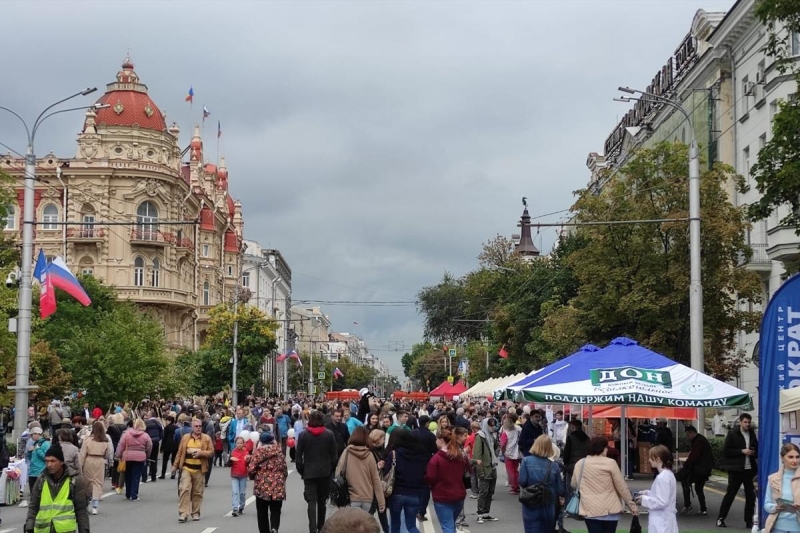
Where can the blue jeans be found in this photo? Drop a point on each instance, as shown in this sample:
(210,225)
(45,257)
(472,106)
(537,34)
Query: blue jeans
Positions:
(447,513)
(133,475)
(601,526)
(532,521)
(408,505)
(238,492)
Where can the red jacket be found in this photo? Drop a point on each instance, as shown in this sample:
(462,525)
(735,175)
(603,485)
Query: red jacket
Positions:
(446,477)
(239,468)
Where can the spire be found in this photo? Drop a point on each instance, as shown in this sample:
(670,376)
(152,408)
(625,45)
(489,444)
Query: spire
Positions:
(196,153)
(525,246)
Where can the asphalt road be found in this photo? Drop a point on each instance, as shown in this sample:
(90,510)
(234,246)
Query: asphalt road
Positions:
(157,511)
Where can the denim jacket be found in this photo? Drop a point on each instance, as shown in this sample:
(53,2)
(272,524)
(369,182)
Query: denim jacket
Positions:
(534,470)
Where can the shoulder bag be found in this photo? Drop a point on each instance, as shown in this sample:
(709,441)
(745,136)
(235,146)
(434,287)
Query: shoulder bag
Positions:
(340,492)
(387,481)
(573,507)
(537,494)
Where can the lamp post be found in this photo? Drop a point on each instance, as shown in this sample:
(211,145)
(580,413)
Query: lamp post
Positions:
(22,386)
(275,316)
(697,356)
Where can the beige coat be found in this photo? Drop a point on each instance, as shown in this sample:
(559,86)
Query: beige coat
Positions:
(599,475)
(94,457)
(775,482)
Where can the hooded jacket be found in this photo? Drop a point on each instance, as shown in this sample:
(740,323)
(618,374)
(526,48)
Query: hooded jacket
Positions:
(135,445)
(361,472)
(575,449)
(484,451)
(315,454)
(446,477)
(409,471)
(268,465)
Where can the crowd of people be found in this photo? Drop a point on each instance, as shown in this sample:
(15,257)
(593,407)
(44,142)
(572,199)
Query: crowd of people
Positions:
(387,460)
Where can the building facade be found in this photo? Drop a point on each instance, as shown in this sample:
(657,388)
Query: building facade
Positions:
(129,210)
(311,327)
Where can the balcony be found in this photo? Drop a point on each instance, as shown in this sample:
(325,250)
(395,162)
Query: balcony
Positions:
(784,244)
(759,261)
(86,234)
(156,295)
(144,236)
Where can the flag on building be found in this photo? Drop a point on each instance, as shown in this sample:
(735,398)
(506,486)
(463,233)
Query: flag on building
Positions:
(294,355)
(337,373)
(190,95)
(281,358)
(206,113)
(503,352)
(219,129)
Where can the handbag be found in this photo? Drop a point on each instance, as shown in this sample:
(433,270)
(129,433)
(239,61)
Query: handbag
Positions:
(636,527)
(573,507)
(340,492)
(387,481)
(538,494)
(121,466)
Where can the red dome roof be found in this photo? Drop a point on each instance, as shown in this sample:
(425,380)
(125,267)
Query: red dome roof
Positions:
(129,103)
(231,242)
(231,207)
(206,218)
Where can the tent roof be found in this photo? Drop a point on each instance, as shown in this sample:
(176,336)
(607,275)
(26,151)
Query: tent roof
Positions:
(790,400)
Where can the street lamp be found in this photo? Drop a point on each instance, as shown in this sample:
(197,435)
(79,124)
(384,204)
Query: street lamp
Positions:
(22,386)
(275,316)
(697,356)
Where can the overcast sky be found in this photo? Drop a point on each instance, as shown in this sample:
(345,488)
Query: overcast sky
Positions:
(377,144)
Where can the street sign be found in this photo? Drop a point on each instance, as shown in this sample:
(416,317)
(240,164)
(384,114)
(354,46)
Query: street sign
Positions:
(320,375)
(314,389)
(453,352)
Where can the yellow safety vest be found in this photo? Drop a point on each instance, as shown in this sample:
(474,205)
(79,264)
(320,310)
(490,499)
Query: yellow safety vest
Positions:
(58,514)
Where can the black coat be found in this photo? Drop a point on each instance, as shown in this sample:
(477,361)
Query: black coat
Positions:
(316,455)
(168,444)
(529,433)
(341,435)
(700,461)
(664,438)
(575,449)
(732,457)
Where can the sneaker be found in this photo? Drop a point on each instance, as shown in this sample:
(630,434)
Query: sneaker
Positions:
(702,512)
(460,529)
(421,517)
(183,518)
(195,517)
(480,519)
(685,511)
(161,477)
(94,510)
(145,480)
(234,513)
(721,522)
(136,499)
(512,491)
(490,518)
(119,490)
(473,496)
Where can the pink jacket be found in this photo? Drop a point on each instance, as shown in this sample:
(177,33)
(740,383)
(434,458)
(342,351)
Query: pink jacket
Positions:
(135,445)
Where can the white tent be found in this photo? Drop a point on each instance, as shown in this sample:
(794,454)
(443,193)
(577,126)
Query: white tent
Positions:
(790,400)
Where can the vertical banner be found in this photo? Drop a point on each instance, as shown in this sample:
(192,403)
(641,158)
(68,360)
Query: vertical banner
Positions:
(779,368)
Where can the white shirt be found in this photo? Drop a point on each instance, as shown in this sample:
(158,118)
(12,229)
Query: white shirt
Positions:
(747,465)
(660,499)
(720,424)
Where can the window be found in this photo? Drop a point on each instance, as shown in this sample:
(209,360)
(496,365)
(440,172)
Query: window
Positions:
(147,221)
(87,271)
(762,141)
(795,44)
(205,250)
(87,228)
(746,164)
(230,270)
(138,272)
(246,280)
(206,294)
(10,221)
(156,273)
(50,217)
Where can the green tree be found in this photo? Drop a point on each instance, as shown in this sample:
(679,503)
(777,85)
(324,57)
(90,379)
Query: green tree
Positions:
(634,278)
(255,342)
(777,171)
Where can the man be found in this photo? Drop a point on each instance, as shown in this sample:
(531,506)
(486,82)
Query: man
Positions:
(531,429)
(402,422)
(210,430)
(559,430)
(739,452)
(696,470)
(194,454)
(282,425)
(485,461)
(316,460)
(340,432)
(86,413)
(58,500)
(664,435)
(461,420)
(236,426)
(575,449)
(155,431)
(720,423)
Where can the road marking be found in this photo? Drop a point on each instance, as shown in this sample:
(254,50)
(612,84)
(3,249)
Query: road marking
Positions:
(206,530)
(106,495)
(712,490)
(427,525)
(247,502)
(7,530)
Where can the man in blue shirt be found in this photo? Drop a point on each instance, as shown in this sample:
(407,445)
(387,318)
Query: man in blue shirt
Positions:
(282,421)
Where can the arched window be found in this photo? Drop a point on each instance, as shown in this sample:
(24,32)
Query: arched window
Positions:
(155,275)
(50,217)
(87,221)
(138,272)
(10,220)
(206,294)
(147,221)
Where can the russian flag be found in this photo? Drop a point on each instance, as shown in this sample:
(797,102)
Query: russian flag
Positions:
(190,96)
(281,358)
(293,355)
(337,373)
(62,278)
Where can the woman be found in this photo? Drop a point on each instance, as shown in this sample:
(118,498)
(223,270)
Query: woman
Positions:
(238,458)
(537,468)
(661,497)
(267,465)
(783,485)
(601,486)
(376,440)
(116,426)
(509,443)
(97,452)
(299,426)
(134,448)
(410,461)
(168,446)
(445,475)
(469,446)
(67,440)
(361,472)
(373,422)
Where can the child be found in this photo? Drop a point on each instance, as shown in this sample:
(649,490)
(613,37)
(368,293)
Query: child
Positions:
(239,457)
(218,449)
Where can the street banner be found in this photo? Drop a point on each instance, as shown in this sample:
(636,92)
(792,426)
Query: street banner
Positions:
(779,369)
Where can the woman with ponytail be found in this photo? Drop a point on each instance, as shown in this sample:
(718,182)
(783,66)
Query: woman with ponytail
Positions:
(660,499)
(445,475)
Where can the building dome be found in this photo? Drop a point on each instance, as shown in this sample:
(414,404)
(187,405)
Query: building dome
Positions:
(231,206)
(231,242)
(129,103)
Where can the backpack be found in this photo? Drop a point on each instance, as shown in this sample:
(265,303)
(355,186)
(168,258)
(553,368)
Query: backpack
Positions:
(538,494)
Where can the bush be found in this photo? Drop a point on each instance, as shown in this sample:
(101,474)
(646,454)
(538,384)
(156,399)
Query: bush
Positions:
(716,451)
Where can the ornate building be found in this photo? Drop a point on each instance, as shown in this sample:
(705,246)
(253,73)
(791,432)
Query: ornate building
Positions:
(164,232)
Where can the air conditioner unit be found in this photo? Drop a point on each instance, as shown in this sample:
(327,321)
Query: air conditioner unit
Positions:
(761,77)
(749,88)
